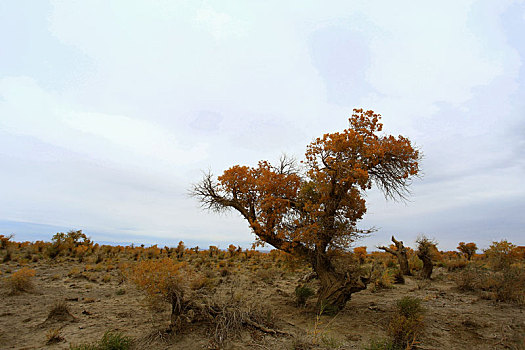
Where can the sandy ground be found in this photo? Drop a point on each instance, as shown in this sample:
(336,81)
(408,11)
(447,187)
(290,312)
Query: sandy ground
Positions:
(454,319)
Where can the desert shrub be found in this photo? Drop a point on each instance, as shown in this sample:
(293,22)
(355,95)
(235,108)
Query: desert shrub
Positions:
(469,279)
(53,251)
(109,341)
(453,265)
(406,324)
(21,280)
(59,312)
(415,263)
(53,336)
(398,276)
(302,294)
(409,307)
(164,279)
(507,285)
(381,278)
(499,254)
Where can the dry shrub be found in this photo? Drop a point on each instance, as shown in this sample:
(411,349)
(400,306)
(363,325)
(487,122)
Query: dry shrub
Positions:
(167,280)
(59,312)
(21,280)
(507,285)
(469,279)
(501,254)
(381,278)
(228,314)
(406,324)
(53,336)
(453,265)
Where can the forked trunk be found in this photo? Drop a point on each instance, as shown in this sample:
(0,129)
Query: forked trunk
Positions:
(336,288)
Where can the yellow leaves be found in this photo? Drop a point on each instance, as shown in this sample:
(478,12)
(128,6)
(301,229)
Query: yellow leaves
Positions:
(159,277)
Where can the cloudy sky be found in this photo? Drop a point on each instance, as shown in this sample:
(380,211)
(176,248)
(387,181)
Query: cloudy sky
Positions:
(110,110)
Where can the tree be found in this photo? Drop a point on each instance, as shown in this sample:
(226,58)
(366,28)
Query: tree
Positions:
(469,249)
(313,212)
(400,252)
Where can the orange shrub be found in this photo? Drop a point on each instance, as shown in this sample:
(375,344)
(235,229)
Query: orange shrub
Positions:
(21,280)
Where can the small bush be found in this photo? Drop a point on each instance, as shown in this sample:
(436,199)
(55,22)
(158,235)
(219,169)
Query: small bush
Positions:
(21,280)
(114,341)
(110,341)
(500,254)
(398,277)
(302,294)
(381,278)
(453,265)
(507,285)
(53,336)
(60,312)
(406,324)
(409,307)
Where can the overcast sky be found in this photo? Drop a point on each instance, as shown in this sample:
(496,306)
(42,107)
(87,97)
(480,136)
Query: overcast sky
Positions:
(110,110)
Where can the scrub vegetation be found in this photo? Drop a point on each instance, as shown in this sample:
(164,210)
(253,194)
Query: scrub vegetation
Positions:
(91,296)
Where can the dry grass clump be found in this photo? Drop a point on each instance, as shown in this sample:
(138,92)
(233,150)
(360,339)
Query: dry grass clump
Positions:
(20,281)
(59,312)
(53,336)
(227,316)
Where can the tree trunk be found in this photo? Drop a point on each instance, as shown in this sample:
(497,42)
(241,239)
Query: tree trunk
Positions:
(336,288)
(401,254)
(427,266)
(403,262)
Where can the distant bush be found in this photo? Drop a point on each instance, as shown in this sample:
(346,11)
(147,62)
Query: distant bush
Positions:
(500,254)
(453,265)
(21,280)
(507,285)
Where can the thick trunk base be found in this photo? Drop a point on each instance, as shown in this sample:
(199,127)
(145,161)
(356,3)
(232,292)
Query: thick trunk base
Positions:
(335,291)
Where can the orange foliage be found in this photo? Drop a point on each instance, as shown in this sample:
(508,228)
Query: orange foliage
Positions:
(159,277)
(295,211)
(360,253)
